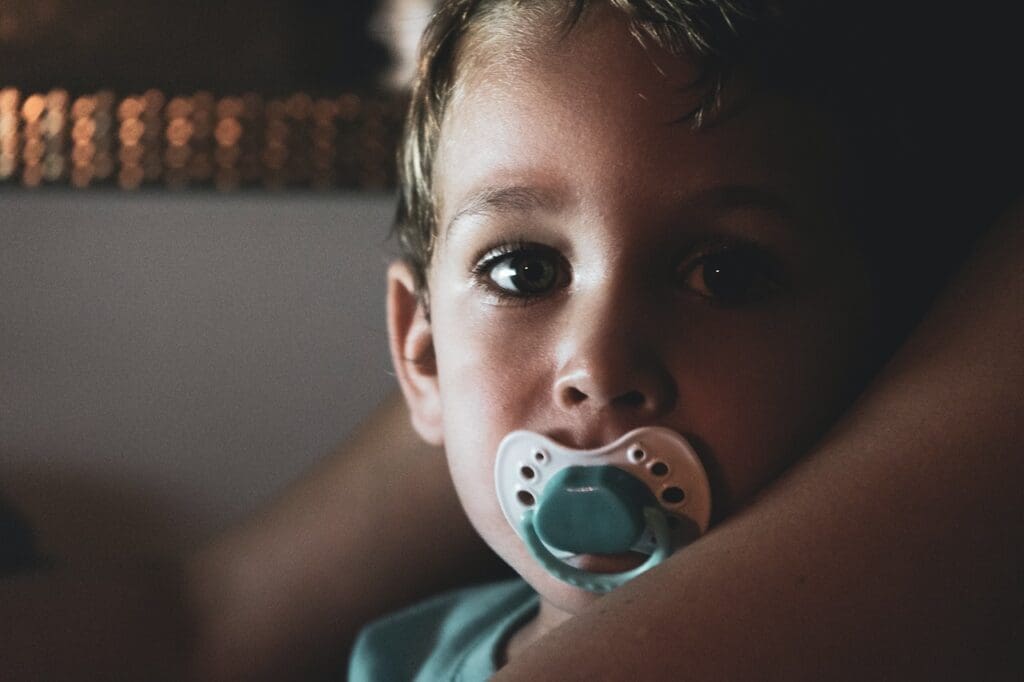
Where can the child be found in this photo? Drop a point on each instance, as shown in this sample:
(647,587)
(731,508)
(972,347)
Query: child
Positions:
(626,215)
(891,552)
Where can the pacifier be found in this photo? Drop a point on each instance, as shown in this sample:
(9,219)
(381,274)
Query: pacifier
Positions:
(647,492)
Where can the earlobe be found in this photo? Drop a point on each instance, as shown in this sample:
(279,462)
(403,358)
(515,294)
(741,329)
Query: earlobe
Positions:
(412,353)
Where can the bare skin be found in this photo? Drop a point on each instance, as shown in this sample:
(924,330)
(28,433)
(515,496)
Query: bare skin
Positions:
(631,215)
(279,604)
(855,607)
(265,601)
(786,566)
(891,552)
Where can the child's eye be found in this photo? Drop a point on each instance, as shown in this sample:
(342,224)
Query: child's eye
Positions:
(522,271)
(735,276)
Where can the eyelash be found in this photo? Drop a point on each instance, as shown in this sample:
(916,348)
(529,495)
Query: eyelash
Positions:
(483,270)
(763,270)
(760,267)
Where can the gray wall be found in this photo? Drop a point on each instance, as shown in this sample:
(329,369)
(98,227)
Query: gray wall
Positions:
(170,361)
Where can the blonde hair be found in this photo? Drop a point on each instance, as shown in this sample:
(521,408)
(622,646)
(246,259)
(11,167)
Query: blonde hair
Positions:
(713,33)
(880,79)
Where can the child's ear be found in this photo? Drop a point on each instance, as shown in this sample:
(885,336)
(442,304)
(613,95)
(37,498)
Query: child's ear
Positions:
(412,353)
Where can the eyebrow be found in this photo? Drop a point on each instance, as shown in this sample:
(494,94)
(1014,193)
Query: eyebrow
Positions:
(503,200)
(746,196)
(512,199)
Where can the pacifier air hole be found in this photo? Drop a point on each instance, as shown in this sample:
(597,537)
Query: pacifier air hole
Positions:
(526,497)
(636,454)
(673,495)
(659,469)
(527,472)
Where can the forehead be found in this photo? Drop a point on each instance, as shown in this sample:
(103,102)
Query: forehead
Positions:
(592,110)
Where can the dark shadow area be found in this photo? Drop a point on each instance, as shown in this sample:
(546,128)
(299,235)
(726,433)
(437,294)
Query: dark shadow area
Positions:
(269,46)
(17,542)
(53,517)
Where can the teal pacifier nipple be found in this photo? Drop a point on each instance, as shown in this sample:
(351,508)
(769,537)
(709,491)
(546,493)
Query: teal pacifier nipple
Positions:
(592,510)
(645,493)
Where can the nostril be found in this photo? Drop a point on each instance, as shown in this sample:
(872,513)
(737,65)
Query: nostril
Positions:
(574,396)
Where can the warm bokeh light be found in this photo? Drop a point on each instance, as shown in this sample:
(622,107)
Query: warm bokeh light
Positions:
(32,175)
(83,130)
(197,139)
(227,157)
(57,99)
(83,107)
(176,156)
(130,177)
(81,176)
(178,107)
(83,154)
(9,98)
(299,106)
(8,125)
(179,130)
(9,139)
(33,148)
(131,132)
(32,152)
(230,107)
(228,132)
(130,107)
(33,108)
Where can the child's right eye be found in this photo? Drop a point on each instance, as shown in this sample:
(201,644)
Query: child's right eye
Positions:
(522,271)
(734,276)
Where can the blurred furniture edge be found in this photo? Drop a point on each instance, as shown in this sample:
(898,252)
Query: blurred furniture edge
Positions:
(169,361)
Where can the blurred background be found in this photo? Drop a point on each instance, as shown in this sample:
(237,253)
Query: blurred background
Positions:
(232,94)
(194,205)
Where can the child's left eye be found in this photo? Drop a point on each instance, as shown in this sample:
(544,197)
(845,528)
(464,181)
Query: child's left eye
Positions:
(731,277)
(522,271)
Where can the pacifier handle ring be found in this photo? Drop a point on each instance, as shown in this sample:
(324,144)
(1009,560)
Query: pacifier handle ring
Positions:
(588,580)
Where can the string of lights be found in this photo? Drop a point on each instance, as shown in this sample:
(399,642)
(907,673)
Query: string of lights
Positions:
(197,141)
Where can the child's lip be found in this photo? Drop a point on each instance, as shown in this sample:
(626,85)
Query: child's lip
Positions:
(593,438)
(607,563)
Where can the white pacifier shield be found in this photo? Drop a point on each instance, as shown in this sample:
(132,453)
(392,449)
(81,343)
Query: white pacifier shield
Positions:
(658,457)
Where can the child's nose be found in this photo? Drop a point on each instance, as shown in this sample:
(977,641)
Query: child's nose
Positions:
(613,370)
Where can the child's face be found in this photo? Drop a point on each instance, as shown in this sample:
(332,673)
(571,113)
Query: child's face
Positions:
(600,266)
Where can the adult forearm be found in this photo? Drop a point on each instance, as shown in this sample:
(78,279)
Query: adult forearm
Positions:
(891,552)
(375,526)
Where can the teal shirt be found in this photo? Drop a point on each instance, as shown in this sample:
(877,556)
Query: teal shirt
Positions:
(458,635)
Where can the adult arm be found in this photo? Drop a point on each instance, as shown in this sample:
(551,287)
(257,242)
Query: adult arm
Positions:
(895,543)
(893,551)
(375,526)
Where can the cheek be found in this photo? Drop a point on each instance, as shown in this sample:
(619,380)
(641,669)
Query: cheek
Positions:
(760,395)
(492,382)
(494,372)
